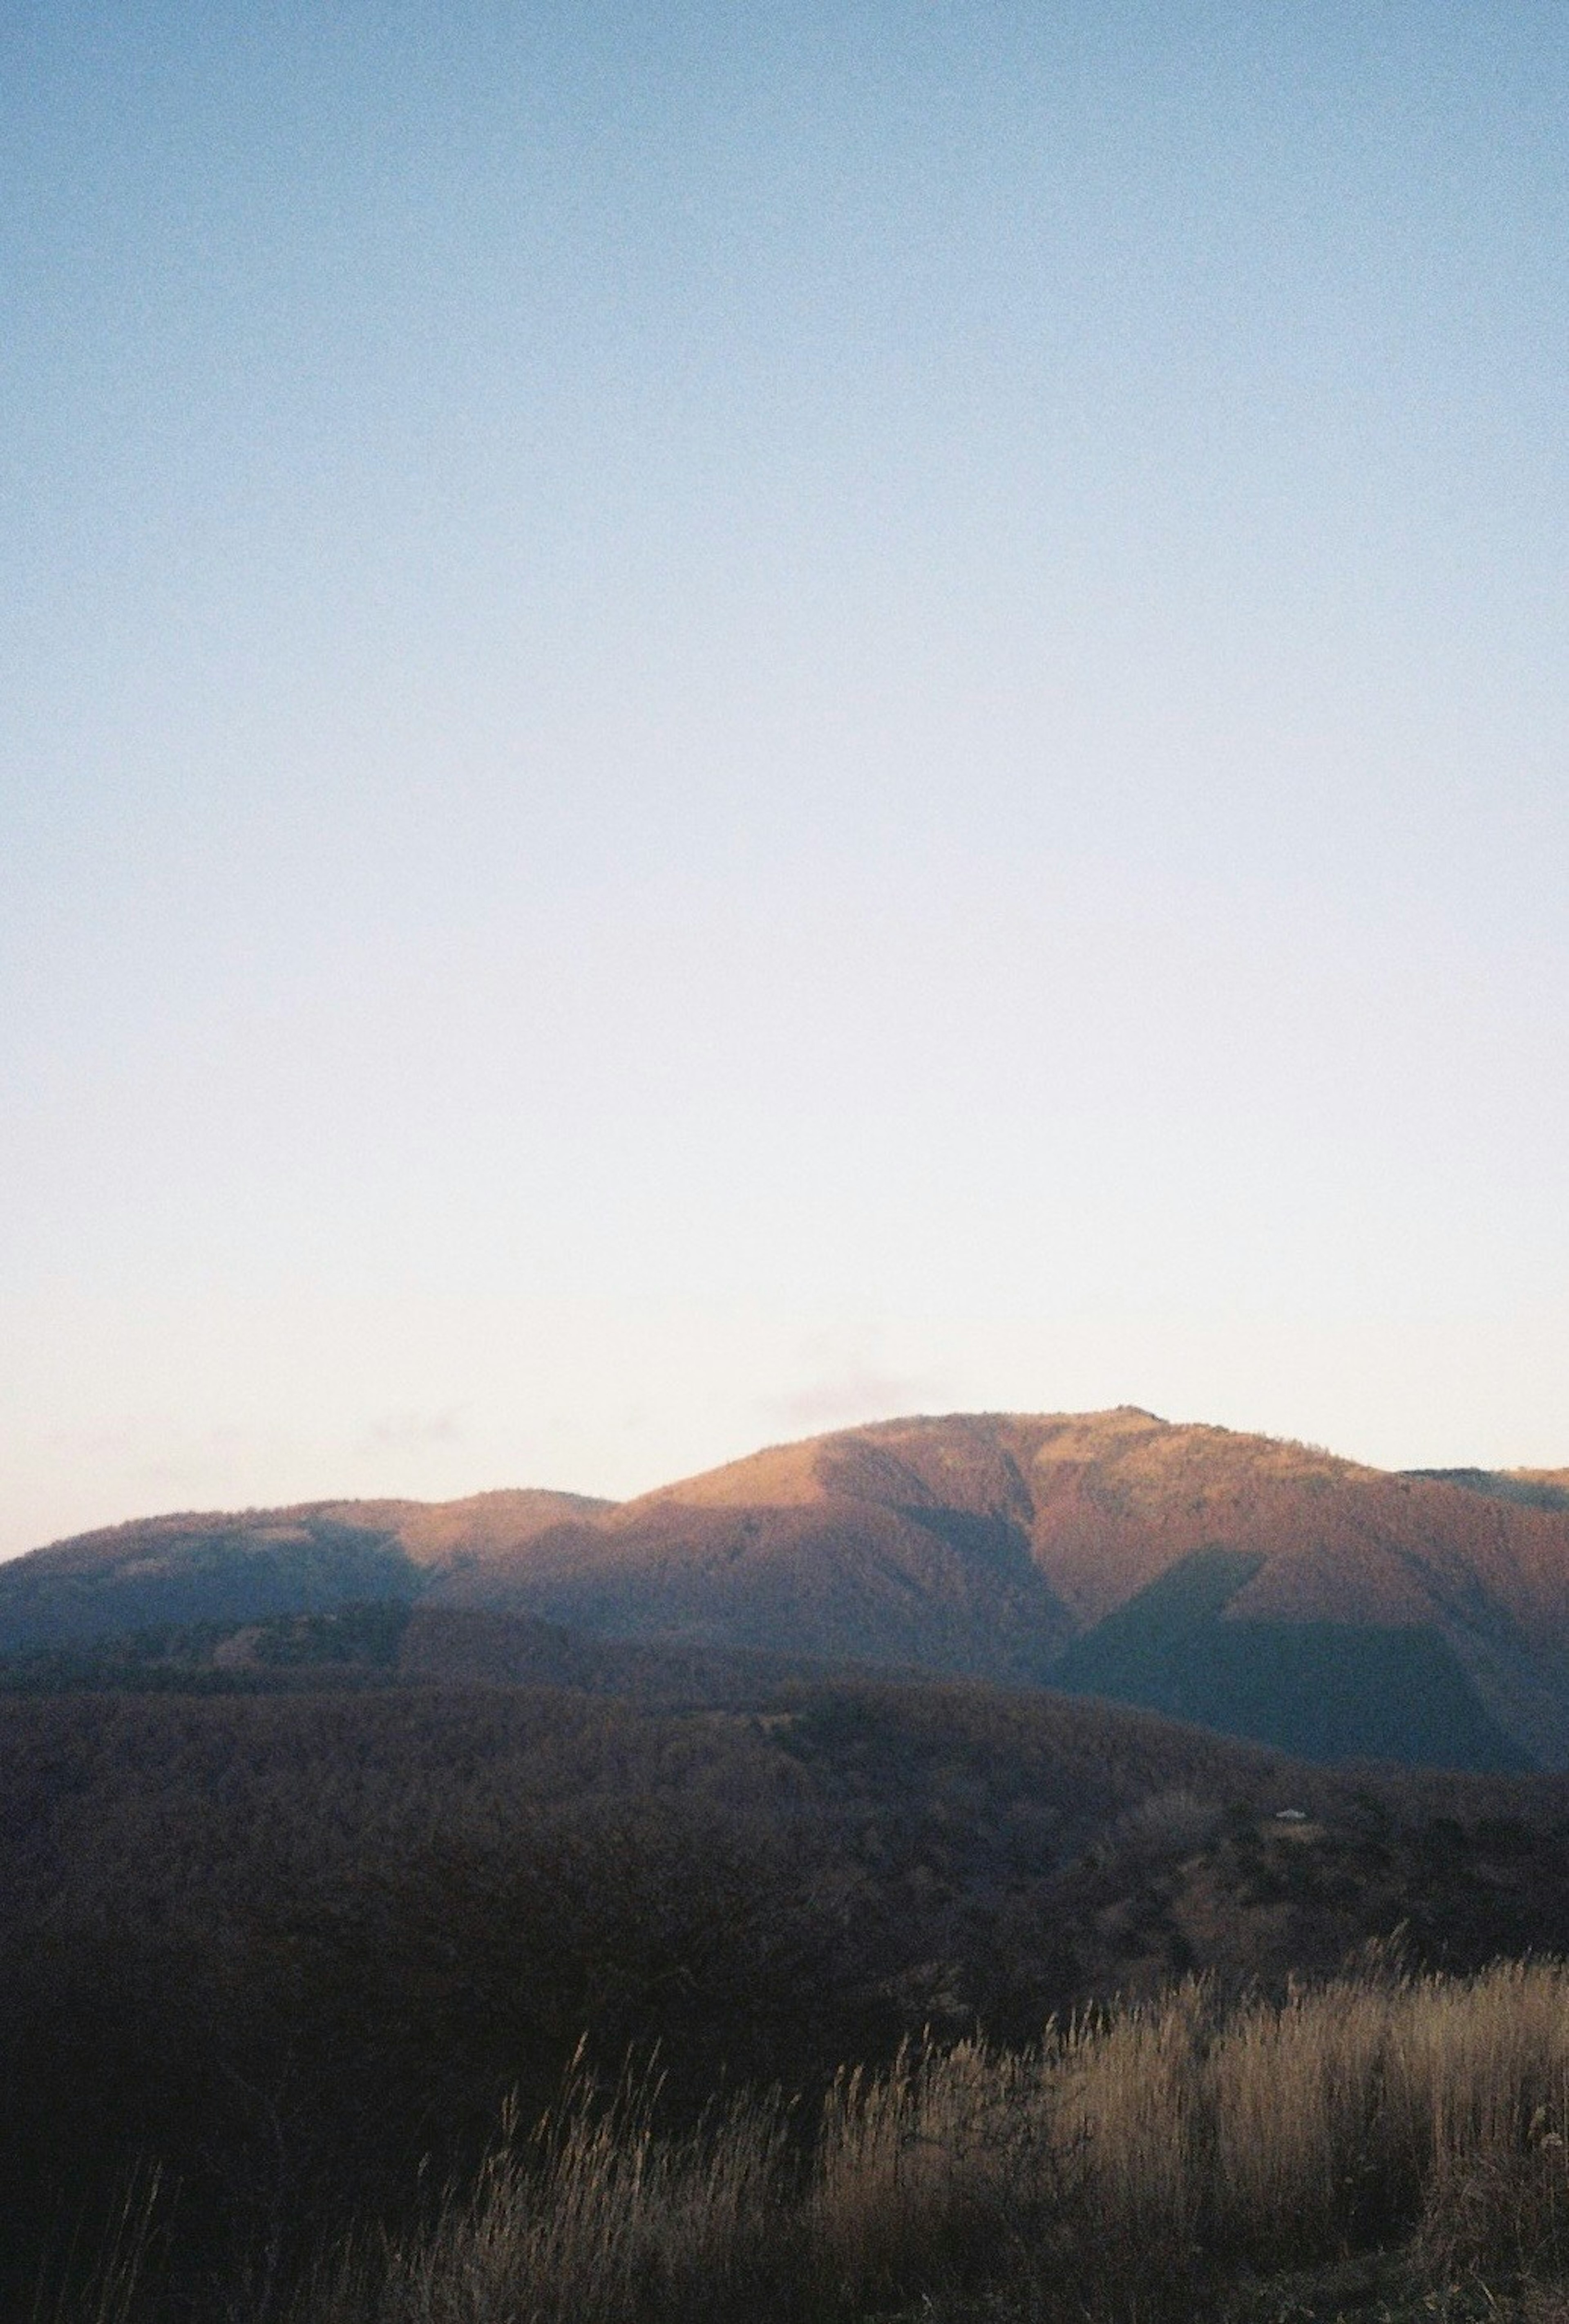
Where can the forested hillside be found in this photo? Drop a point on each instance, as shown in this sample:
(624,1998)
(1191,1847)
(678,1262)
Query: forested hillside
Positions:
(1266,1589)
(302,1948)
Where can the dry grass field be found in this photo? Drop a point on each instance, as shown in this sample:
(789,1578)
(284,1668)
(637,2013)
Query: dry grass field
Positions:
(1378,2146)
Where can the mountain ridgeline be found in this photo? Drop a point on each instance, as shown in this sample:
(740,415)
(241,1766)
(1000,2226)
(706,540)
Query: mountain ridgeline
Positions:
(1261,1588)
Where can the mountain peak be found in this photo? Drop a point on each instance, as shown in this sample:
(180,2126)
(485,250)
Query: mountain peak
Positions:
(991,1544)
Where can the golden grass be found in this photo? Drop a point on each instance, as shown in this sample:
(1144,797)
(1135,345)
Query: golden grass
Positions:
(594,2220)
(1125,2167)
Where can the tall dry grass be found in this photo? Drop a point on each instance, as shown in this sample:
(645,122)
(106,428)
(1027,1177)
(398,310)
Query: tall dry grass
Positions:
(594,2219)
(924,2174)
(1115,2170)
(105,2279)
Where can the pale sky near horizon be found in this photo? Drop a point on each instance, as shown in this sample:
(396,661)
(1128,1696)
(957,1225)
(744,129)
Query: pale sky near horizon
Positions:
(720,719)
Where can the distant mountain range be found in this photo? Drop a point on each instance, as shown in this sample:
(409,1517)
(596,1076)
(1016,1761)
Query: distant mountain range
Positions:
(1263,1587)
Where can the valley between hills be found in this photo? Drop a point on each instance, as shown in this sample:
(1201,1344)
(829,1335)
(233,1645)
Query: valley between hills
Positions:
(1265,1589)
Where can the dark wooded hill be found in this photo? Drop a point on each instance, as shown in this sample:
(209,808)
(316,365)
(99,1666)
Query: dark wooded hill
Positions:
(1264,1588)
(303,1948)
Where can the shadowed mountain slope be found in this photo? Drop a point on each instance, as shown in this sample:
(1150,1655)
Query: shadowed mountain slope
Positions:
(1354,1611)
(255,1564)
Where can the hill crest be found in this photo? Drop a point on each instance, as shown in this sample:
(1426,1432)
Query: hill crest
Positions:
(991,1545)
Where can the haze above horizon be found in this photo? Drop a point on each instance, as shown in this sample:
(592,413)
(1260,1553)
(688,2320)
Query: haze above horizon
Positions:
(723,721)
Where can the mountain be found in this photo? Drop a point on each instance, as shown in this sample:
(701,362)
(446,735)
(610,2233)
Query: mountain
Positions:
(255,1564)
(1264,1588)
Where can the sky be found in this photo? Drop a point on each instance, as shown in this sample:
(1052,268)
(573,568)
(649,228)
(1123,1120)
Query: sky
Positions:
(718,719)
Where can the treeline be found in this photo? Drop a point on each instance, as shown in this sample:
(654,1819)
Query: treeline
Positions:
(301,1952)
(347,1645)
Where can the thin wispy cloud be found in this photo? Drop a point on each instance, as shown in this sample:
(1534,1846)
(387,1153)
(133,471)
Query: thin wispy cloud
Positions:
(413,1432)
(842,1399)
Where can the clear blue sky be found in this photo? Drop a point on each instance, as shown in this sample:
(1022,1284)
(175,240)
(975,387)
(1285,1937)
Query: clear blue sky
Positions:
(724,718)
